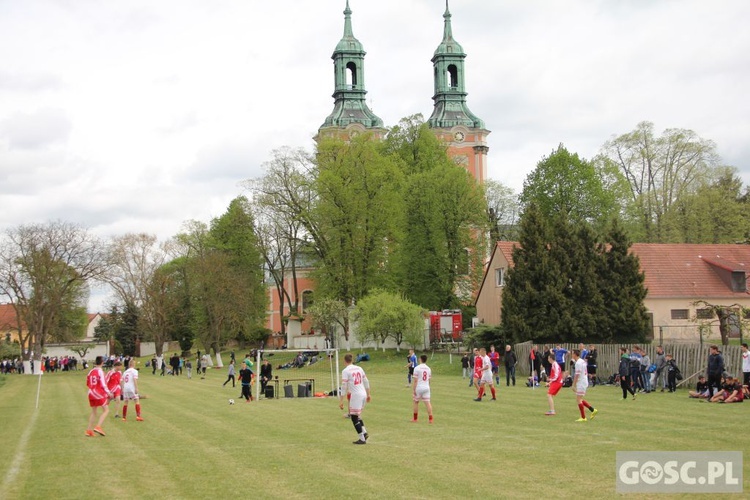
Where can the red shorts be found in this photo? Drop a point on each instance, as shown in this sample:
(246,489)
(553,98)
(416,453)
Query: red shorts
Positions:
(116,392)
(95,402)
(554,388)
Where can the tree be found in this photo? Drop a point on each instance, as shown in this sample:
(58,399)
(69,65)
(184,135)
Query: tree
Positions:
(326,314)
(716,212)
(564,183)
(623,291)
(356,212)
(439,258)
(166,309)
(728,317)
(382,315)
(282,207)
(43,269)
(503,209)
(134,258)
(659,172)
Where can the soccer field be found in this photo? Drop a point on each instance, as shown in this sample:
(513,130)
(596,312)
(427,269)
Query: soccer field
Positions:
(193,444)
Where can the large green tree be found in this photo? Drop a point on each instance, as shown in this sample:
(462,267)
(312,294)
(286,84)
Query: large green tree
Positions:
(44,269)
(659,171)
(565,183)
(383,315)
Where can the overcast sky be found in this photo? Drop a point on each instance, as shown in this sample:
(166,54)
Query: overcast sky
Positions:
(136,116)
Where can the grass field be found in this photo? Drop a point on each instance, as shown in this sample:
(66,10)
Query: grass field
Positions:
(193,444)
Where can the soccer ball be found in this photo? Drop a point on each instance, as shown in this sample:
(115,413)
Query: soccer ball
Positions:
(231,401)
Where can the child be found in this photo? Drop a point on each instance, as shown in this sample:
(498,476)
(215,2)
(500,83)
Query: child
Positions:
(246,379)
(230,374)
(672,372)
(113,378)
(736,394)
(554,383)
(701,389)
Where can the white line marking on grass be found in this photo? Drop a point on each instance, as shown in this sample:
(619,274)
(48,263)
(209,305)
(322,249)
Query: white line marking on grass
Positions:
(15,467)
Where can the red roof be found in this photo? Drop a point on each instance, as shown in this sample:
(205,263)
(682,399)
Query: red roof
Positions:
(681,269)
(8,320)
(690,270)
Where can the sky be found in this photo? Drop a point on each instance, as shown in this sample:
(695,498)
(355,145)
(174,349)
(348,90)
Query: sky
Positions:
(137,116)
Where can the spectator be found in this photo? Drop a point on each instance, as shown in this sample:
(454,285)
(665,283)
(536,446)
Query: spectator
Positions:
(673,373)
(624,374)
(591,360)
(560,357)
(745,364)
(535,362)
(715,369)
(635,368)
(510,361)
(465,366)
(645,377)
(701,389)
(660,362)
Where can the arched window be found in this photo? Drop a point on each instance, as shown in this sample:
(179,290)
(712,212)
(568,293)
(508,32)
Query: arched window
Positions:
(307,300)
(452,76)
(351,75)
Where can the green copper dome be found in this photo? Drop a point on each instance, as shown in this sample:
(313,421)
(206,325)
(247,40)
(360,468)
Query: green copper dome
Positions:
(448,45)
(348,42)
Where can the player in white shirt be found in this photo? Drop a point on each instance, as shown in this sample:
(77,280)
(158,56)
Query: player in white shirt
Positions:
(580,383)
(486,377)
(421,387)
(354,383)
(130,391)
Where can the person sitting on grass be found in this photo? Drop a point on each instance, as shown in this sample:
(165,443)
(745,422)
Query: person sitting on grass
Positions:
(726,388)
(701,389)
(737,394)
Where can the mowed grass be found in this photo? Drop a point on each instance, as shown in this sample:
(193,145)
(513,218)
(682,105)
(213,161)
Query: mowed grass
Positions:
(193,444)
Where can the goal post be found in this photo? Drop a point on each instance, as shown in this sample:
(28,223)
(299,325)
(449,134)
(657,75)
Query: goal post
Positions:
(317,369)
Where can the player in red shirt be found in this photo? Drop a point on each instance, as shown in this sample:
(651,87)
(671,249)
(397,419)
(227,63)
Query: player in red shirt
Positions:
(477,369)
(554,382)
(114,379)
(99,396)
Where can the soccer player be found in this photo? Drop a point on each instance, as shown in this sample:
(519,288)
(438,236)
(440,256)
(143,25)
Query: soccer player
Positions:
(354,384)
(421,387)
(477,374)
(246,380)
(580,383)
(495,360)
(130,391)
(411,363)
(98,397)
(486,375)
(113,378)
(554,383)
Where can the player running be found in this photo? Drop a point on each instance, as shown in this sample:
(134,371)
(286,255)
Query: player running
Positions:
(421,387)
(130,391)
(580,383)
(554,383)
(99,396)
(113,378)
(354,383)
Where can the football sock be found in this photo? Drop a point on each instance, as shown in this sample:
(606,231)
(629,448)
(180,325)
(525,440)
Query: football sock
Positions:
(492,388)
(415,416)
(138,410)
(580,408)
(481,391)
(124,411)
(357,424)
(430,418)
(587,405)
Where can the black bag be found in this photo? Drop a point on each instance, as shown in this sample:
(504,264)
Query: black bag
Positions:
(678,376)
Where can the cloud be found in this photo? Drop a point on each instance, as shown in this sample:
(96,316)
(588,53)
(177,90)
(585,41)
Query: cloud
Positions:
(36,130)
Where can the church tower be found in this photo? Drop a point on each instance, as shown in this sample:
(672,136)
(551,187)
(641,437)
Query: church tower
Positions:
(451,119)
(350,115)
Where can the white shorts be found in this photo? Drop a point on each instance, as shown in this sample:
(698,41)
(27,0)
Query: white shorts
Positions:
(129,395)
(486,377)
(581,390)
(422,394)
(357,403)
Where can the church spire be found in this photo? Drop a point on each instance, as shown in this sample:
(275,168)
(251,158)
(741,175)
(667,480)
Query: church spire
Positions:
(450,107)
(350,108)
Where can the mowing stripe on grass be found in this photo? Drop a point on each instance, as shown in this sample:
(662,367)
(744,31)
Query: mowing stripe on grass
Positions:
(18,458)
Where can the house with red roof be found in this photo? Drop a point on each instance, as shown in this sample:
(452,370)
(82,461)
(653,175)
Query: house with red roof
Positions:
(8,323)
(681,279)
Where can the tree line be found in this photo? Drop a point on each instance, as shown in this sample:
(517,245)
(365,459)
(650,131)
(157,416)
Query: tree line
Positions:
(398,218)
